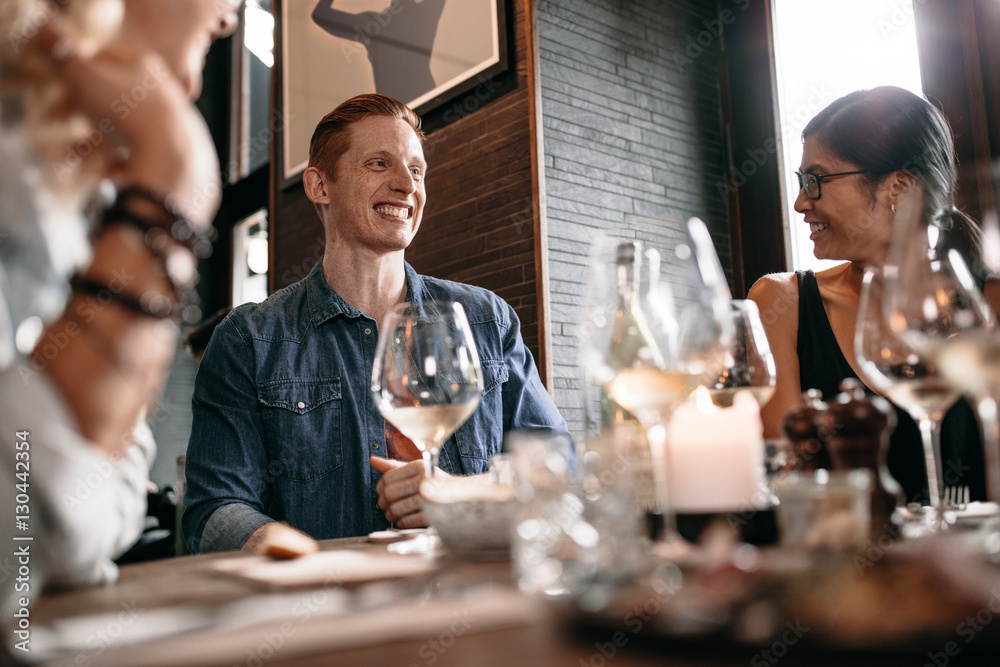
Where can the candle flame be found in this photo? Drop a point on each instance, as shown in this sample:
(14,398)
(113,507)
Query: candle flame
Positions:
(703,400)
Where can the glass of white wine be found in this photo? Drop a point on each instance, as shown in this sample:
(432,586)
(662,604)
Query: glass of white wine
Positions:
(426,379)
(683,344)
(750,364)
(892,366)
(934,302)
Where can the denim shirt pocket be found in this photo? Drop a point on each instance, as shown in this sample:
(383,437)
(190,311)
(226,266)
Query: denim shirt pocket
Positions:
(486,435)
(302,424)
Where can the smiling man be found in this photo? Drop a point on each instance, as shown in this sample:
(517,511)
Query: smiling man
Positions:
(284,425)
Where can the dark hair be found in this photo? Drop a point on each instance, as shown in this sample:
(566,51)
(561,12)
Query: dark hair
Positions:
(329,139)
(197,336)
(886,129)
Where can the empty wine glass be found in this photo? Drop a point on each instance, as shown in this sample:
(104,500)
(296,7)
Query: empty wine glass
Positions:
(896,369)
(426,379)
(750,364)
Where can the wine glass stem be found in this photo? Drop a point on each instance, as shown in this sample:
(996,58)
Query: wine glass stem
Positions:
(930,433)
(659,451)
(429,462)
(986,410)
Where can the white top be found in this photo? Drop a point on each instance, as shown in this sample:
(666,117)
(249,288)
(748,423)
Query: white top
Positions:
(82,509)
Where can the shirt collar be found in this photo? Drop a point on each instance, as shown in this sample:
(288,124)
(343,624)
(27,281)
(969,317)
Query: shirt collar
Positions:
(414,285)
(324,303)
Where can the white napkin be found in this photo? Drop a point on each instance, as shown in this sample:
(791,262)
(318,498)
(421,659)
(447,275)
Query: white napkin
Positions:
(325,568)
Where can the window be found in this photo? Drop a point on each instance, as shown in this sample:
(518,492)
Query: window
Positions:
(825,49)
(251,130)
(250,259)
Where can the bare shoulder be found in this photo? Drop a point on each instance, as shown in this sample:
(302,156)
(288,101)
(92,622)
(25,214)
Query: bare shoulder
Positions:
(777,298)
(775,288)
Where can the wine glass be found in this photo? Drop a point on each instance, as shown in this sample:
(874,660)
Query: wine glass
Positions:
(426,379)
(750,364)
(934,303)
(689,331)
(680,338)
(895,368)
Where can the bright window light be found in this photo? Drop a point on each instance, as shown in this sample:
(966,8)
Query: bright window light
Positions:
(825,49)
(259,32)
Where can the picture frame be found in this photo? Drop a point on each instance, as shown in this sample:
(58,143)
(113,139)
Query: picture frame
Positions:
(424,53)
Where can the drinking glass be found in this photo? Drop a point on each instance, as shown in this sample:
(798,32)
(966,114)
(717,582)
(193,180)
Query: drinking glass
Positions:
(935,304)
(896,369)
(688,337)
(426,379)
(750,365)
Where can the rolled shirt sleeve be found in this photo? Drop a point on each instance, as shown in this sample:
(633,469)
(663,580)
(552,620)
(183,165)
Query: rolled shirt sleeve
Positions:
(226,462)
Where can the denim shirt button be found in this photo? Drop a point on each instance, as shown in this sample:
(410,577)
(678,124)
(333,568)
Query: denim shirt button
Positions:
(374,445)
(368,330)
(301,405)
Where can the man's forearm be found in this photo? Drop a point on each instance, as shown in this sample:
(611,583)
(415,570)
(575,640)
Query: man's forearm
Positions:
(228,528)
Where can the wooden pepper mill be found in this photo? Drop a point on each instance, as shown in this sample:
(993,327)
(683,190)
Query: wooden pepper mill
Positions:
(803,430)
(857,427)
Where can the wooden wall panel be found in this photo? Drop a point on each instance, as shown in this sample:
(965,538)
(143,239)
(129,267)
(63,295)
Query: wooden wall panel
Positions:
(960,70)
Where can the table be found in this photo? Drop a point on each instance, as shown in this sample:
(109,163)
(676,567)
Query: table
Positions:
(187,611)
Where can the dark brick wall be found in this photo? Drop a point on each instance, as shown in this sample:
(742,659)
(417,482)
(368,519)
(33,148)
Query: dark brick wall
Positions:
(632,141)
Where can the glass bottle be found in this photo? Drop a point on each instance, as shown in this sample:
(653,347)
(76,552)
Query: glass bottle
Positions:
(628,342)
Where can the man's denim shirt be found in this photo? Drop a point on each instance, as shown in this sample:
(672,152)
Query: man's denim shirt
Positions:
(284,421)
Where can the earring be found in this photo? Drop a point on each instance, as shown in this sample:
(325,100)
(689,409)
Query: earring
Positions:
(893,207)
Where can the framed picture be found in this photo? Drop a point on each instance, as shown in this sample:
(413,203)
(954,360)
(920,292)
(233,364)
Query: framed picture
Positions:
(421,52)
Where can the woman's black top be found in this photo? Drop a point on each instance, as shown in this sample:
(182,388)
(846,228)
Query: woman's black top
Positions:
(822,366)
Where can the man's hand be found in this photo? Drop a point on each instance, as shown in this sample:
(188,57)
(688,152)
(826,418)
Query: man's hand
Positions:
(399,491)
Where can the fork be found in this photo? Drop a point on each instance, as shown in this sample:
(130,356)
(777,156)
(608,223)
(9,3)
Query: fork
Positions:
(955,497)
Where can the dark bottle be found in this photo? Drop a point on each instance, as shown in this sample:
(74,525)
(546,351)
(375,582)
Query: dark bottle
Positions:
(858,427)
(804,431)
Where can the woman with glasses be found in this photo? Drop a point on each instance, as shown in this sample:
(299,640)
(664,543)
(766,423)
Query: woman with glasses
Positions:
(860,154)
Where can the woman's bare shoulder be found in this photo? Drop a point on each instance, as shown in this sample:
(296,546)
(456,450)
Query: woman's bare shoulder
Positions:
(774,286)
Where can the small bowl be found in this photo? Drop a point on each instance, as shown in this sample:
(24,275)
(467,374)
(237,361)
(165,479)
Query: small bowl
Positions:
(473,517)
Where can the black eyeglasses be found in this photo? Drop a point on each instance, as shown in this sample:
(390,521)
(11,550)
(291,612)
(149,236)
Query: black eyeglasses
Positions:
(811,182)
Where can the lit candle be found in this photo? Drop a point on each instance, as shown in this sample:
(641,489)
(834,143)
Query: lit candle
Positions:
(716,455)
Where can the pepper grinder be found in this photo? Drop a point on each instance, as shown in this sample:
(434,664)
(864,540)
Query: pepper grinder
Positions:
(858,428)
(803,430)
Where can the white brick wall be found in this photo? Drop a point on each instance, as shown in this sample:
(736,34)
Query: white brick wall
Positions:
(632,140)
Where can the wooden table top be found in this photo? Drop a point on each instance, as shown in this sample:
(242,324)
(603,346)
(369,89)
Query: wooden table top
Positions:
(192,610)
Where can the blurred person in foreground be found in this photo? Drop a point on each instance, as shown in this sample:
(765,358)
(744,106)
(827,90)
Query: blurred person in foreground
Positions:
(285,428)
(108,185)
(860,155)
